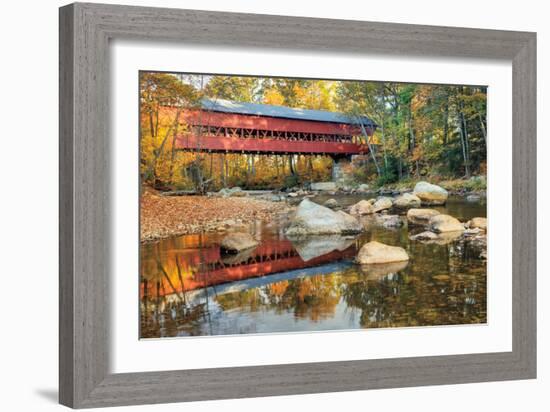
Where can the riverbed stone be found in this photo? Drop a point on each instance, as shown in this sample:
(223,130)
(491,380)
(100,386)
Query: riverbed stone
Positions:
(324,186)
(363,207)
(382,203)
(237,242)
(313,219)
(375,253)
(445,223)
(421,217)
(473,198)
(424,236)
(478,223)
(407,201)
(332,204)
(444,238)
(430,194)
(389,221)
(363,187)
(478,244)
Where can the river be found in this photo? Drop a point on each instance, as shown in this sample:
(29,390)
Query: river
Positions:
(188,288)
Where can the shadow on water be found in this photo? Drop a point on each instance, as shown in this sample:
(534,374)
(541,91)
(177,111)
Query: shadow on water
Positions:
(188,288)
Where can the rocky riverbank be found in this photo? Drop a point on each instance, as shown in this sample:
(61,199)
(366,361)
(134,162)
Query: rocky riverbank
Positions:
(313,219)
(166,216)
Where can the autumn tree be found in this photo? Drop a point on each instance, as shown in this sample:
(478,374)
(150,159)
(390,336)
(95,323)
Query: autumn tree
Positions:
(160,127)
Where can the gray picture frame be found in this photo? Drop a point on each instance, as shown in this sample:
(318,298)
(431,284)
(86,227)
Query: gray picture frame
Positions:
(85,32)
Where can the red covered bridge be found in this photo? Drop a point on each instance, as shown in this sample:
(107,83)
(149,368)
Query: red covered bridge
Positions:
(234,127)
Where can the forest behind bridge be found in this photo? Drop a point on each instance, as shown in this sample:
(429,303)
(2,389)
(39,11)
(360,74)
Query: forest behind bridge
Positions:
(429,132)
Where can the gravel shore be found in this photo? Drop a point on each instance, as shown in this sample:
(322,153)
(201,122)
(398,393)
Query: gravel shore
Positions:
(162,217)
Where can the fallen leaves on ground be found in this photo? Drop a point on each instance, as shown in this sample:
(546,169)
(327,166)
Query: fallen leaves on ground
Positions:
(162,216)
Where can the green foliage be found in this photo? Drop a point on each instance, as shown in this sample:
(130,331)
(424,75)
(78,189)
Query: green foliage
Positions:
(241,89)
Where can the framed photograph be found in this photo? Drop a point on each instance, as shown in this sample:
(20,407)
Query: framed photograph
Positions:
(256,205)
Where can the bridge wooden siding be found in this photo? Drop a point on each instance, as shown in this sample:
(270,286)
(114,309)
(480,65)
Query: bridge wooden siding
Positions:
(214,131)
(265,146)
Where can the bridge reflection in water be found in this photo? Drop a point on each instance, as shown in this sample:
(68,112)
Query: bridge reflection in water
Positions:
(189,288)
(191,268)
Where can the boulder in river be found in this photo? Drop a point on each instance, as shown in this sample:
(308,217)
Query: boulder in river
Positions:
(439,239)
(407,201)
(430,194)
(389,221)
(382,203)
(478,223)
(332,204)
(363,187)
(473,198)
(314,219)
(445,223)
(376,253)
(237,242)
(478,244)
(324,186)
(421,217)
(363,207)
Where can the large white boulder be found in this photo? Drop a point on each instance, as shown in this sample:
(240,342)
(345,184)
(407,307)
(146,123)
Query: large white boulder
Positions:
(314,219)
(376,253)
(430,194)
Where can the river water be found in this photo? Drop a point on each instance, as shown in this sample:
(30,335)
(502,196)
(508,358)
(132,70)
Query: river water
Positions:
(188,288)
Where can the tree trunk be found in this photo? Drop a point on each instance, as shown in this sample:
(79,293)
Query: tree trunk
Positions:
(413,140)
(371,149)
(173,153)
(446,122)
(222,170)
(483,129)
(153,167)
(384,147)
(464,144)
(291,166)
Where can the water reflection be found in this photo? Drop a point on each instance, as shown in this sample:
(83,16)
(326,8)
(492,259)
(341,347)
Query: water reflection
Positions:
(189,288)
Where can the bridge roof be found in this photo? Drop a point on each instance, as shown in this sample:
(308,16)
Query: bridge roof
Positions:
(270,110)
